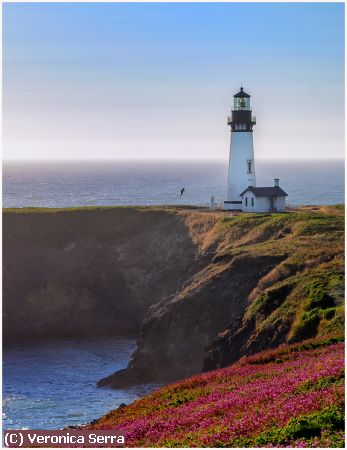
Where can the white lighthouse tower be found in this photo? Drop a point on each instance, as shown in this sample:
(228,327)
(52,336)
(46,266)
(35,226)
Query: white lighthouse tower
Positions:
(241,159)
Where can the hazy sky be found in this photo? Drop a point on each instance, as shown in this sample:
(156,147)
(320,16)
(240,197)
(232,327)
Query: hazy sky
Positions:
(156,80)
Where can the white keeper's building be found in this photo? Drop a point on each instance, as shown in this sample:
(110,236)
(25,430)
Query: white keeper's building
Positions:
(264,199)
(242,193)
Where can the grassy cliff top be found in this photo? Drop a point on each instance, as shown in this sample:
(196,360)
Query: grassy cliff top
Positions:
(45,210)
(332,209)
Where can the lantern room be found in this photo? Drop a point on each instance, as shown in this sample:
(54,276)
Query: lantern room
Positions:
(242,101)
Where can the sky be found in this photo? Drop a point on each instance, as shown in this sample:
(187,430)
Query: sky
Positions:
(143,81)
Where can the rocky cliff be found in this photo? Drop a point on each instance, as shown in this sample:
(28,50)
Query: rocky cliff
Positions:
(272,279)
(92,271)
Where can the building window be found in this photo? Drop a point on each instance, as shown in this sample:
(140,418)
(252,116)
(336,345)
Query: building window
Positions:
(249,166)
(246,201)
(243,126)
(252,201)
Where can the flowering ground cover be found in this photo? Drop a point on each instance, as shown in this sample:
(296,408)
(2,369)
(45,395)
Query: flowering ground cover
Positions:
(288,397)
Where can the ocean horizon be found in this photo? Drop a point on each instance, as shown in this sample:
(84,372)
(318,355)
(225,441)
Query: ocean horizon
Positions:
(58,184)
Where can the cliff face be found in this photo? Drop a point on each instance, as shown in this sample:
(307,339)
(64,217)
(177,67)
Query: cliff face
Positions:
(273,279)
(176,332)
(91,272)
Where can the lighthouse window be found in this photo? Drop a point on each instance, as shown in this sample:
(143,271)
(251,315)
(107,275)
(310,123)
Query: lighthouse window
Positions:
(249,166)
(242,103)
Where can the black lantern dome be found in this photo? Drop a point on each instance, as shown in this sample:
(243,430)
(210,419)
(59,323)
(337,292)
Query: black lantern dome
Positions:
(241,94)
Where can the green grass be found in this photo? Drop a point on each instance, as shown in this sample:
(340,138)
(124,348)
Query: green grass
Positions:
(42,210)
(322,383)
(307,427)
(38,210)
(321,297)
(282,353)
(323,224)
(35,210)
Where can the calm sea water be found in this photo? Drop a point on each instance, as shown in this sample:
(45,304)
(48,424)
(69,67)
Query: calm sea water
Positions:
(66,184)
(52,384)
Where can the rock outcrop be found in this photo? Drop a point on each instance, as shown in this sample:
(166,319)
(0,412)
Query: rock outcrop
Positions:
(175,333)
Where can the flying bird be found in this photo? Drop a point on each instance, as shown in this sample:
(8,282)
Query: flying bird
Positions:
(182,190)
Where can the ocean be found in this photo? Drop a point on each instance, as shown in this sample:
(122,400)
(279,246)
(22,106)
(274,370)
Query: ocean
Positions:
(99,183)
(52,384)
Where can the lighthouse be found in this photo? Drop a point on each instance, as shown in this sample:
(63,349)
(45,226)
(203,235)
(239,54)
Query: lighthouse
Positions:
(241,158)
